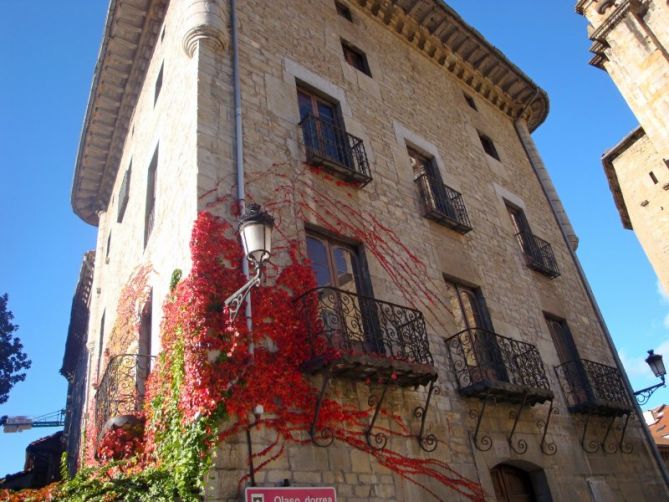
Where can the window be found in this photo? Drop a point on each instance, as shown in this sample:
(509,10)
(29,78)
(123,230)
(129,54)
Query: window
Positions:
(349,319)
(538,253)
(108,247)
(144,345)
(124,194)
(355,57)
(653,177)
(321,124)
(426,173)
(335,264)
(481,351)
(471,102)
(101,339)
(159,84)
(149,213)
(343,11)
(562,339)
(521,229)
(468,306)
(488,146)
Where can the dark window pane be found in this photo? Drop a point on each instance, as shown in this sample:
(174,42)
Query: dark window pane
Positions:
(317,253)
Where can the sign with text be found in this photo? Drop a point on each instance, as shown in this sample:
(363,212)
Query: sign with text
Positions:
(291,494)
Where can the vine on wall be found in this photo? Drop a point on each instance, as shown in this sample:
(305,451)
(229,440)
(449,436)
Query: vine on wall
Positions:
(205,383)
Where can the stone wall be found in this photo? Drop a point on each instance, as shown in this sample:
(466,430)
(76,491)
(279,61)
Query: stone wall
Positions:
(163,123)
(644,182)
(408,100)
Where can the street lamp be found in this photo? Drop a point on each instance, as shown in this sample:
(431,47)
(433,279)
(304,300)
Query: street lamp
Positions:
(255,231)
(657,366)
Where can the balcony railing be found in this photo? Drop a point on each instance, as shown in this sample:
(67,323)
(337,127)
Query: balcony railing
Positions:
(490,365)
(443,204)
(538,254)
(329,145)
(121,390)
(361,337)
(593,388)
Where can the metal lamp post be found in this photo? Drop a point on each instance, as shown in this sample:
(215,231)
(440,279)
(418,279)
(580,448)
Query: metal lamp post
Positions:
(657,366)
(255,231)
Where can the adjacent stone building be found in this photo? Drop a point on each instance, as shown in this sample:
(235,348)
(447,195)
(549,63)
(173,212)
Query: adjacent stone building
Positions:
(394,143)
(630,42)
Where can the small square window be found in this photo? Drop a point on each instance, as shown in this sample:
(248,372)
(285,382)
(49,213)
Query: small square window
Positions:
(344,11)
(471,102)
(159,85)
(488,146)
(355,57)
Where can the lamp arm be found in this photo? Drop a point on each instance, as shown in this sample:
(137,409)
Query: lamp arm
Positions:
(642,396)
(236,299)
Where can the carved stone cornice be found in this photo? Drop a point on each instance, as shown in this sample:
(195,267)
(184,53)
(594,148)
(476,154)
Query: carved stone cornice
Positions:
(600,34)
(130,35)
(437,31)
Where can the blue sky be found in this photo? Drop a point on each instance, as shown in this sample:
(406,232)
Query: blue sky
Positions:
(49,52)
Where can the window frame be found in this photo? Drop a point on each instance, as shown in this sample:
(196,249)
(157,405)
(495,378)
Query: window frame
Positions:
(124,194)
(355,57)
(151,196)
(489,146)
(343,10)
(470,101)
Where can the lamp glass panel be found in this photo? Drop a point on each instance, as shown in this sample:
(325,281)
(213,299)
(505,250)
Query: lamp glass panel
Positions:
(256,240)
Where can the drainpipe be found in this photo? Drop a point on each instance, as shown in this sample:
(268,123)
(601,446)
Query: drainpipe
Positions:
(239,153)
(532,155)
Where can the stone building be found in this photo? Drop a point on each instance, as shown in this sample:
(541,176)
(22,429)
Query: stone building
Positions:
(75,361)
(394,143)
(630,42)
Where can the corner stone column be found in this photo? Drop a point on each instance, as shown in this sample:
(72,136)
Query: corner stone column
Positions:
(545,180)
(204,20)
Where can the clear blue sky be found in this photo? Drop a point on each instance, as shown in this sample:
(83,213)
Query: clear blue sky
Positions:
(48,51)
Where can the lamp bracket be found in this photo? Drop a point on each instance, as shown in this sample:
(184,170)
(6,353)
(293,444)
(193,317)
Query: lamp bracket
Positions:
(642,396)
(236,299)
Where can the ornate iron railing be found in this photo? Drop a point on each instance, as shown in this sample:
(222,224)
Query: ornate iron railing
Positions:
(328,144)
(593,387)
(538,254)
(121,390)
(443,204)
(353,325)
(479,356)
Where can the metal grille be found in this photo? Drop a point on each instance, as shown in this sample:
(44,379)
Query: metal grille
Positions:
(122,388)
(479,355)
(329,144)
(443,204)
(538,254)
(590,385)
(359,325)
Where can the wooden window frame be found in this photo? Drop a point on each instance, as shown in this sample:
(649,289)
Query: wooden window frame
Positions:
(355,57)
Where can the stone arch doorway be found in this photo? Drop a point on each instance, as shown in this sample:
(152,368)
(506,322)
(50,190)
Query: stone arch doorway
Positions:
(520,482)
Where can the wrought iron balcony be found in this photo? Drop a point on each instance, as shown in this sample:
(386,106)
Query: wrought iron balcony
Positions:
(488,365)
(443,204)
(121,390)
(360,337)
(329,145)
(538,254)
(593,388)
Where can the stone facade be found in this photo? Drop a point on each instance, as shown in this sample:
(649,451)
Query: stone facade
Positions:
(630,42)
(423,63)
